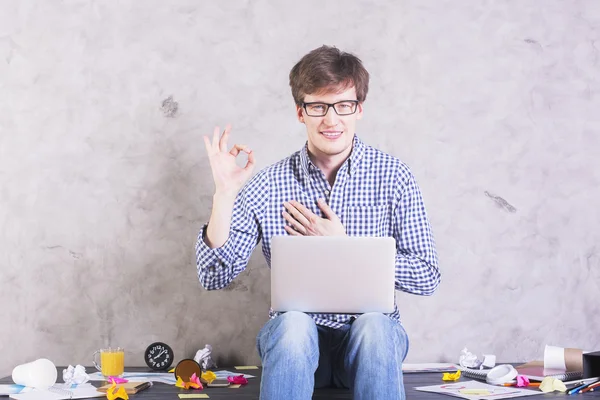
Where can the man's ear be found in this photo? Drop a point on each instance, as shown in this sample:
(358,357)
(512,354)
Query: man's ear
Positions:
(299,113)
(359,110)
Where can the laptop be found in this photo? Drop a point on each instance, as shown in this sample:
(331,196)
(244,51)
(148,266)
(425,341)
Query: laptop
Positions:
(333,274)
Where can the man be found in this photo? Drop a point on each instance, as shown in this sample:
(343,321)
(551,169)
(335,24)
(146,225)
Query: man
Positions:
(335,185)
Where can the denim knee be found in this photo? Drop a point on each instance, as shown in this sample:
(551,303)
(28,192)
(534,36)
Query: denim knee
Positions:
(376,333)
(293,332)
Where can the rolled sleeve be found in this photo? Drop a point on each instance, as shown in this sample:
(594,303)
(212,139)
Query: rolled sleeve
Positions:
(217,267)
(417,269)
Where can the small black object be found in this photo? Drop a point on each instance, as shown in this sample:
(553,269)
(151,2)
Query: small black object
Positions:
(591,365)
(159,356)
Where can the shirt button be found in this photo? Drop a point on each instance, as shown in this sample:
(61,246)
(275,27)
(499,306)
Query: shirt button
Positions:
(326,192)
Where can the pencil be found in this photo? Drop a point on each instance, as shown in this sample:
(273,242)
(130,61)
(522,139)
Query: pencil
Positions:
(577,389)
(530,384)
(590,387)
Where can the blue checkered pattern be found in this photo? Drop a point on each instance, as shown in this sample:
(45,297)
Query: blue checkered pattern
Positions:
(374,194)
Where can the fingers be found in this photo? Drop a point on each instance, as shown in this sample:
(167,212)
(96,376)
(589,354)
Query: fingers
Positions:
(235,150)
(291,231)
(207,145)
(215,139)
(250,164)
(224,138)
(327,211)
(306,213)
(293,209)
(297,226)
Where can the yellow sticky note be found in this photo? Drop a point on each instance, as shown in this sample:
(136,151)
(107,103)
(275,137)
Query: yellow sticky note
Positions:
(451,376)
(550,384)
(483,392)
(208,376)
(246,367)
(234,386)
(194,396)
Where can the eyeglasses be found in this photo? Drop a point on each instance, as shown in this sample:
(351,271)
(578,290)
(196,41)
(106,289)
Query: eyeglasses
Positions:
(318,109)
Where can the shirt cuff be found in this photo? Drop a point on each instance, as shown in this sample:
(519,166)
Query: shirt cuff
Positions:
(207,258)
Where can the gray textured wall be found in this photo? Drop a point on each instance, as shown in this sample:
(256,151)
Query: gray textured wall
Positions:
(102,189)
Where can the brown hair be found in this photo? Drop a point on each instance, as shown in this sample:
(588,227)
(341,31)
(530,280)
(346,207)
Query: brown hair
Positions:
(327,68)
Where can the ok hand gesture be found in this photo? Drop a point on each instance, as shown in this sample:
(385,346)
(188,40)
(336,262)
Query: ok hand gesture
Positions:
(228,176)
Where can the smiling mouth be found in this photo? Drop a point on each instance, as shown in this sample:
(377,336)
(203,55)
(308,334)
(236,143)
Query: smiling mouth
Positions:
(331,134)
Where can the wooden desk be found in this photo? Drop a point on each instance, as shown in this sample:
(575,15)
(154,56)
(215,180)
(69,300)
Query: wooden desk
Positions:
(161,391)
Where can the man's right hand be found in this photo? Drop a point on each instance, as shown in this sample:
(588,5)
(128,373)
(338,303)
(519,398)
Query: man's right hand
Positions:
(228,176)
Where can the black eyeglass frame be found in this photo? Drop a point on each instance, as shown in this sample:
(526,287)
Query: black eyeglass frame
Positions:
(356,102)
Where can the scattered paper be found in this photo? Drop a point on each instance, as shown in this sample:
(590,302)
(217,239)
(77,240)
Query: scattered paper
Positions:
(451,376)
(522,381)
(6,390)
(113,393)
(204,358)
(161,377)
(224,374)
(494,392)
(83,391)
(75,375)
(243,367)
(116,380)
(429,367)
(475,391)
(208,376)
(489,361)
(193,396)
(193,383)
(237,380)
(550,384)
(468,359)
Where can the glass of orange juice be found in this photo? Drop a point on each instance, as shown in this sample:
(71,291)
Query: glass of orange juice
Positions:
(112,361)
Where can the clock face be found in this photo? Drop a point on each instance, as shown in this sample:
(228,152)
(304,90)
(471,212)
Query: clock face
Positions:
(158,356)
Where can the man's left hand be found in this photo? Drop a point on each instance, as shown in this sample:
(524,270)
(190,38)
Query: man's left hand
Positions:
(306,223)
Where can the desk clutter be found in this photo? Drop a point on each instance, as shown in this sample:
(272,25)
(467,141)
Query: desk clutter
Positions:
(566,370)
(38,379)
(562,370)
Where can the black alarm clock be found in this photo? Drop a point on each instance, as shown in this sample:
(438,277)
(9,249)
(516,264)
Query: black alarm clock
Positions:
(159,356)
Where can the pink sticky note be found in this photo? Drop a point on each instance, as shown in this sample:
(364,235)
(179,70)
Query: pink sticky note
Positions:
(116,379)
(238,380)
(522,381)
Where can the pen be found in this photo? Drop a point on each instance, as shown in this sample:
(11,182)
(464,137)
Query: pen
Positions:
(578,382)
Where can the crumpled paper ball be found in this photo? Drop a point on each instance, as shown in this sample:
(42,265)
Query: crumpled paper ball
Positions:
(75,375)
(204,358)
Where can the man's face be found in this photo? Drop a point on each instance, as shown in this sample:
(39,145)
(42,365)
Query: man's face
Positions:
(332,134)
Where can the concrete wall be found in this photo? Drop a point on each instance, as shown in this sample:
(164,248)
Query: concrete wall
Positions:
(104,181)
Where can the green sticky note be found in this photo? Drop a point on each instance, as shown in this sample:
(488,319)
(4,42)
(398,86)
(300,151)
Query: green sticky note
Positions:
(194,396)
(246,367)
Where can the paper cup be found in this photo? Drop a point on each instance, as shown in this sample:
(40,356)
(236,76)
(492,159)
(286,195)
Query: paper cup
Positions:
(39,374)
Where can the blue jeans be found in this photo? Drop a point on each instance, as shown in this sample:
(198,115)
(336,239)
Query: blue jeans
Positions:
(365,356)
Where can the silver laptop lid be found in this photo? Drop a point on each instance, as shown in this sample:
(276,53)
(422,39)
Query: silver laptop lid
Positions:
(332,274)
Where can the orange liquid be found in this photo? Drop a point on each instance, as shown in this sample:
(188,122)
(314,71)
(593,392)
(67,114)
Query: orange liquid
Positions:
(112,362)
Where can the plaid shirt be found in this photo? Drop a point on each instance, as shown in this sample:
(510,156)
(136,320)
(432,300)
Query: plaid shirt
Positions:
(374,194)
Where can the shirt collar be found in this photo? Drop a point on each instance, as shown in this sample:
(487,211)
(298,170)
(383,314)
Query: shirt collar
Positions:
(358,151)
